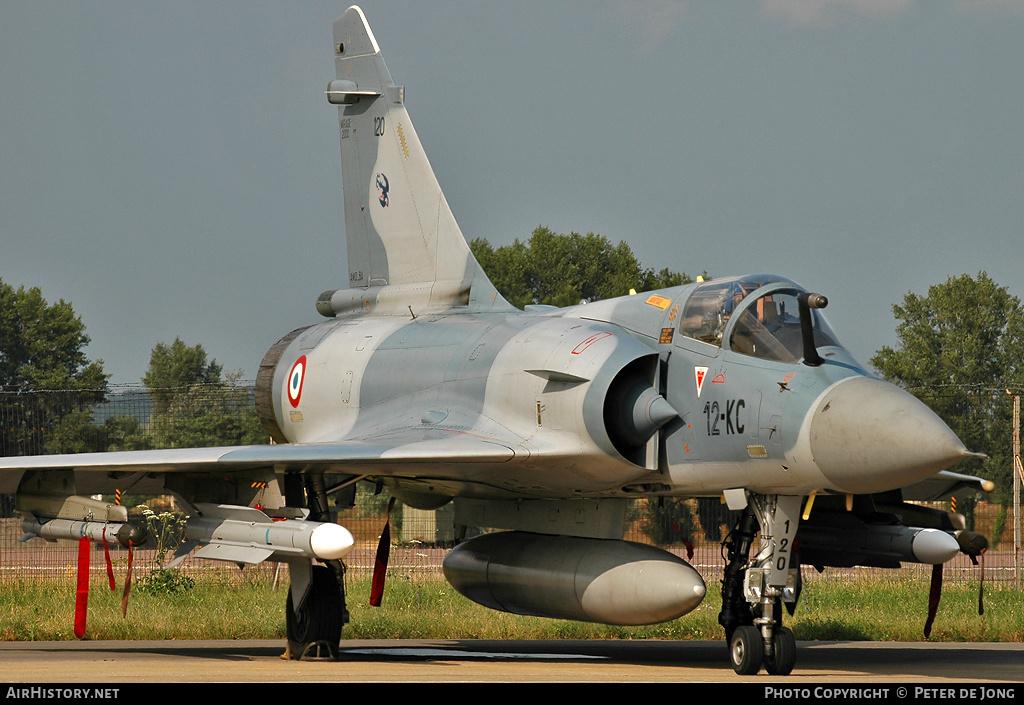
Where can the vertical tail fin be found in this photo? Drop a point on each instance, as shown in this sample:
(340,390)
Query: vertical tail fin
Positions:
(401,233)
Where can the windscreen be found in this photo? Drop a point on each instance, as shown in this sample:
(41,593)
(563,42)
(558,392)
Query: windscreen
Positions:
(769,328)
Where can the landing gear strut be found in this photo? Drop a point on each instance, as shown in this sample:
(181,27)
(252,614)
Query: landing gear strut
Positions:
(753,591)
(316,608)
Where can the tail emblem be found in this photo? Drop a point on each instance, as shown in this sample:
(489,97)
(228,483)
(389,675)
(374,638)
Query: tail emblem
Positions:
(382,189)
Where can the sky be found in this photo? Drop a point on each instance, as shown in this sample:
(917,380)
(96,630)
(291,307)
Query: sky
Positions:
(173,169)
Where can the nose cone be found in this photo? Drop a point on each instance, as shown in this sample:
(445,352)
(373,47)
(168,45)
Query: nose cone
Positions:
(331,541)
(867,435)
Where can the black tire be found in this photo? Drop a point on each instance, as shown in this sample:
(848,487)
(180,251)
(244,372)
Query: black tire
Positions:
(746,650)
(783,656)
(319,621)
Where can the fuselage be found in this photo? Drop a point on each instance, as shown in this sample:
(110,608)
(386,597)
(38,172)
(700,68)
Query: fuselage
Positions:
(689,390)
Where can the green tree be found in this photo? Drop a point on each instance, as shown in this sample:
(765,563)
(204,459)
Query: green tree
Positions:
(960,348)
(42,346)
(194,404)
(46,380)
(203,416)
(175,367)
(78,433)
(562,270)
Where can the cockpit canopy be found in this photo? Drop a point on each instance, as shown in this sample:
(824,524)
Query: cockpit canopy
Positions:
(758,314)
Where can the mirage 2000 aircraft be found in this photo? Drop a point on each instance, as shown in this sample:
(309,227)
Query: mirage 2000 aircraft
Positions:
(541,424)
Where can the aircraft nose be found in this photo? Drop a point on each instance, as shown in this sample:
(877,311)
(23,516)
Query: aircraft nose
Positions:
(867,435)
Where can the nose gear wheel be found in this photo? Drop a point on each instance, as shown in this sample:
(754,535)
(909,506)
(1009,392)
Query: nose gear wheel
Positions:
(753,591)
(746,650)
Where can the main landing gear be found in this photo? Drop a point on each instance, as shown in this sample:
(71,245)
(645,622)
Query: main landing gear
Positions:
(753,591)
(316,611)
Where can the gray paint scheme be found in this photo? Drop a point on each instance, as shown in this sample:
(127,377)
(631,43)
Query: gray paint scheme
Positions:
(429,380)
(426,380)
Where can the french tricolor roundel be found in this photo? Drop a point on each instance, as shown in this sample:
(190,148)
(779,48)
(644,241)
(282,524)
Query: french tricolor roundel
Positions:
(295,378)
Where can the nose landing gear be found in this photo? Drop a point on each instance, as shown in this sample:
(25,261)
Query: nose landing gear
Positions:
(753,591)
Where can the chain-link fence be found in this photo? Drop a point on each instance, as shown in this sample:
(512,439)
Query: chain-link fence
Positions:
(137,418)
(419,543)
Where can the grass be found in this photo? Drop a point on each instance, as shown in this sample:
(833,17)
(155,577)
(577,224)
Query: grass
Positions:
(224,606)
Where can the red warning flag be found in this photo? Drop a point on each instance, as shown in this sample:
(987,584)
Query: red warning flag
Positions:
(106,556)
(82,598)
(380,563)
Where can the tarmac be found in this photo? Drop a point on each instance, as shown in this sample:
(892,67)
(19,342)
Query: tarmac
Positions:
(116,664)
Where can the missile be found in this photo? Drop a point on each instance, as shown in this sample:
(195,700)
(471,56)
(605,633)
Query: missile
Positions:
(72,530)
(881,546)
(247,535)
(565,577)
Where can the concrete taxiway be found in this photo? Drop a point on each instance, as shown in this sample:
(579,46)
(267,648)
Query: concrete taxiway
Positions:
(406,661)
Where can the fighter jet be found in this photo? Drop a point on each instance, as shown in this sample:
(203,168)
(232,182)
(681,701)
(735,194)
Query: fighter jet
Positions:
(539,424)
